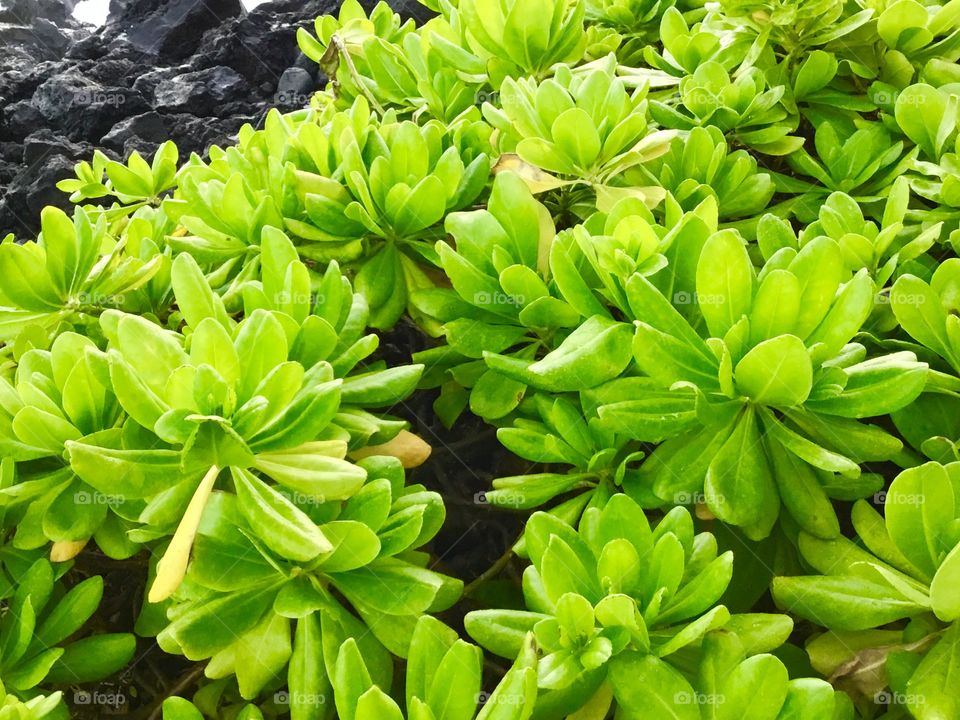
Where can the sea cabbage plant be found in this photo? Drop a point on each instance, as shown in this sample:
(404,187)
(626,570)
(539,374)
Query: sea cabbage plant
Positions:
(699,164)
(267,393)
(514,38)
(892,597)
(683,253)
(40,623)
(56,397)
(775,391)
(621,610)
(74,272)
(585,128)
(743,107)
(314,570)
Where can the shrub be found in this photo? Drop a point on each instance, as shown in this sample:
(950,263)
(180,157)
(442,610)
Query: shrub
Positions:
(695,265)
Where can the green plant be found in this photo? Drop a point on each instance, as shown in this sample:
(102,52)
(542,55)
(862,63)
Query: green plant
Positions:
(443,680)
(58,396)
(685,48)
(365,581)
(41,706)
(266,393)
(615,599)
(72,274)
(553,125)
(674,254)
(774,393)
(406,180)
(743,108)
(907,570)
(634,18)
(38,619)
(515,38)
(793,27)
(177,708)
(133,184)
(699,164)
(912,30)
(559,431)
(494,306)
(927,311)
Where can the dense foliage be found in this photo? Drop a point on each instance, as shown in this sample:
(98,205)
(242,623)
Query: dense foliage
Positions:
(696,263)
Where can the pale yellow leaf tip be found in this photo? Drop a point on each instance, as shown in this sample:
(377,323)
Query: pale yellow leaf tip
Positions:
(411,450)
(172,567)
(67,549)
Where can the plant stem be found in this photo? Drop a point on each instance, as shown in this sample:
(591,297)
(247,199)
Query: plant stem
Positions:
(491,571)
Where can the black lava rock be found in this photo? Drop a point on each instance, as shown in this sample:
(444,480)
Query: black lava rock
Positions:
(200,92)
(142,133)
(169,28)
(192,71)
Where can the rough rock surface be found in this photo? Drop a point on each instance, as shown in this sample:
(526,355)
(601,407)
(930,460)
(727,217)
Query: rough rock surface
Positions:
(192,71)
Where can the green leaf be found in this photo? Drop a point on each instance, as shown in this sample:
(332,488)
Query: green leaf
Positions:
(280,524)
(646,686)
(944,597)
(412,589)
(502,632)
(69,615)
(313,469)
(131,474)
(842,603)
(176,708)
(195,299)
(575,133)
(920,312)
(776,372)
(819,268)
(919,110)
(877,387)
(307,675)
(920,509)
(738,487)
(755,690)
(801,493)
(350,679)
(93,658)
(261,654)
(455,685)
(515,697)
(931,691)
(598,351)
(725,281)
(374,704)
